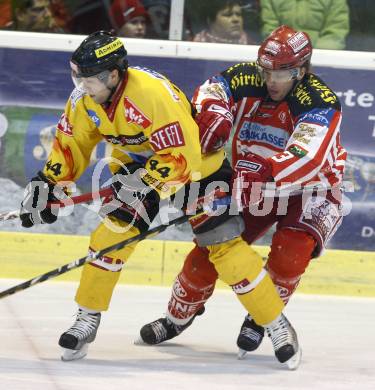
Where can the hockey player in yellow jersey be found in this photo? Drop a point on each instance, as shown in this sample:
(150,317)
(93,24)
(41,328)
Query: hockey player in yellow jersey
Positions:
(156,154)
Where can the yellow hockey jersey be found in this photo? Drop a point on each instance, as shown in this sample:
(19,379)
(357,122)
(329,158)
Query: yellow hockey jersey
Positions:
(148,121)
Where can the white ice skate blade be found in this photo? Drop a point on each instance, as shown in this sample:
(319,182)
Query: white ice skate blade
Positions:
(241,354)
(294,362)
(71,354)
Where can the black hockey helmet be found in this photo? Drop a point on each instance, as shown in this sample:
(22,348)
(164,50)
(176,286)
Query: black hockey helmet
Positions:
(98,52)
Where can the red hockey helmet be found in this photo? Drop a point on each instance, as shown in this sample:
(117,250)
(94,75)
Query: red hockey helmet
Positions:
(285,48)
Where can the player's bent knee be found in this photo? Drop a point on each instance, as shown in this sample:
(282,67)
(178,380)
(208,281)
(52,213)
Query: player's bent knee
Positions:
(291,252)
(242,268)
(234,260)
(198,269)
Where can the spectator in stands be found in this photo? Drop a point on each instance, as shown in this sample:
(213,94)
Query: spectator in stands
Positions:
(326,22)
(251,18)
(89,15)
(41,16)
(224,23)
(6,18)
(362,26)
(129,18)
(159,12)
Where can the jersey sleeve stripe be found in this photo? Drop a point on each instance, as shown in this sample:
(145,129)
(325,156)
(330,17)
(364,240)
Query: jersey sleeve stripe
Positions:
(305,168)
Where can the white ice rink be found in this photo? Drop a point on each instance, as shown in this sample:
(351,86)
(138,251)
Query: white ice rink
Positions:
(337,336)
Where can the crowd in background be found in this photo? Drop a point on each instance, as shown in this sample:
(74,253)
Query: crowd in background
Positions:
(331,24)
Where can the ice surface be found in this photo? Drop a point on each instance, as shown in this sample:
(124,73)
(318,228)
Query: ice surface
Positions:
(336,335)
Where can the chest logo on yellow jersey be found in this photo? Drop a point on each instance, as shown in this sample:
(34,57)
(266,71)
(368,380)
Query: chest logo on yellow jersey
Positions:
(136,139)
(168,136)
(64,126)
(134,115)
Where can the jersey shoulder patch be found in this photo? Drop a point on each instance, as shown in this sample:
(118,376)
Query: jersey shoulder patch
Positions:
(244,80)
(76,95)
(312,93)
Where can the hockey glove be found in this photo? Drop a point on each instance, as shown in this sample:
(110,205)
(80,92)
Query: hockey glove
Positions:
(34,208)
(249,174)
(215,124)
(131,196)
(128,186)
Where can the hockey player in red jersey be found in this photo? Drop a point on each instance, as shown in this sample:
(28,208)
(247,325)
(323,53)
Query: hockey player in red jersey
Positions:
(288,165)
(149,123)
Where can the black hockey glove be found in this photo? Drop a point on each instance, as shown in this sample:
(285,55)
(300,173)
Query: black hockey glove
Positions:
(128,186)
(133,201)
(34,208)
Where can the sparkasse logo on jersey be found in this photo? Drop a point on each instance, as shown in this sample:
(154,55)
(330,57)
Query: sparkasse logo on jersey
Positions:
(134,115)
(64,126)
(168,136)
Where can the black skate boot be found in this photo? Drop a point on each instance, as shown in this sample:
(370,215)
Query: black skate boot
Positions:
(250,337)
(164,329)
(76,339)
(284,341)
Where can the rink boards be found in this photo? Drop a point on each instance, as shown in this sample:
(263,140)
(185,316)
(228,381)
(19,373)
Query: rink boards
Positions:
(156,262)
(32,99)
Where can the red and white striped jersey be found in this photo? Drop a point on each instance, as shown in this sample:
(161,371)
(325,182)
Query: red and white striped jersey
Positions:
(300,135)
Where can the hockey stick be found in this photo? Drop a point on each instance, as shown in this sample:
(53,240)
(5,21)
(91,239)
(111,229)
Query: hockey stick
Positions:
(84,198)
(83,260)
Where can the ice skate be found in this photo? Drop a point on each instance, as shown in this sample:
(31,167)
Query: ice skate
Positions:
(285,342)
(163,329)
(76,339)
(250,337)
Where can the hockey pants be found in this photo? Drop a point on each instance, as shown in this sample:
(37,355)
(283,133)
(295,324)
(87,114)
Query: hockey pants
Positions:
(236,264)
(100,276)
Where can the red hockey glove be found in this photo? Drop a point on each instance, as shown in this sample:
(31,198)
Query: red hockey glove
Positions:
(215,123)
(249,174)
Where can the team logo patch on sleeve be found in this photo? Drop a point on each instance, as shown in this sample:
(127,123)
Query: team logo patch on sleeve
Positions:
(298,151)
(248,165)
(168,136)
(94,117)
(64,126)
(75,96)
(134,115)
